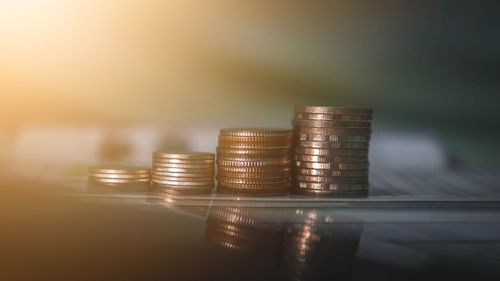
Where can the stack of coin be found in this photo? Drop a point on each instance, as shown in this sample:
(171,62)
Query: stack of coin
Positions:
(180,172)
(331,150)
(254,161)
(119,177)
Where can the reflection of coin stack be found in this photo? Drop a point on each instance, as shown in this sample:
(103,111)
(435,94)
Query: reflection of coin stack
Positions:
(321,247)
(241,229)
(119,177)
(331,150)
(183,172)
(254,161)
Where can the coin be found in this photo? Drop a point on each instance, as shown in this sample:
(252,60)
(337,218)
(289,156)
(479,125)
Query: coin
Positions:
(118,169)
(329,172)
(335,131)
(244,186)
(183,183)
(331,159)
(254,170)
(183,179)
(333,138)
(255,132)
(331,151)
(183,161)
(332,117)
(118,176)
(331,144)
(183,170)
(331,186)
(331,179)
(103,180)
(333,166)
(279,151)
(224,180)
(334,110)
(255,163)
(328,124)
(187,166)
(244,145)
(258,139)
(253,175)
(183,174)
(261,157)
(183,155)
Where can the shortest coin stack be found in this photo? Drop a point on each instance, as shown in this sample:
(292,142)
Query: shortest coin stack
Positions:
(254,161)
(183,172)
(119,177)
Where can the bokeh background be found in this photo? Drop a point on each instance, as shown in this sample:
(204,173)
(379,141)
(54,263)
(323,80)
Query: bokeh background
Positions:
(430,66)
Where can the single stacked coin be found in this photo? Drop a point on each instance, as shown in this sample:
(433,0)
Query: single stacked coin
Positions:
(253,161)
(183,172)
(331,151)
(119,177)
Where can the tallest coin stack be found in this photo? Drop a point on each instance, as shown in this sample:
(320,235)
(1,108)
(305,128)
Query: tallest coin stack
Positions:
(331,151)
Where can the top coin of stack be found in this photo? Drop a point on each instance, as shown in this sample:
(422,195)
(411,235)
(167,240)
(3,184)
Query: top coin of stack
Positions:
(254,161)
(120,176)
(183,171)
(331,150)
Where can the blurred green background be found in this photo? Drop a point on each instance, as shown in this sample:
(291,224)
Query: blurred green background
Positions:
(422,65)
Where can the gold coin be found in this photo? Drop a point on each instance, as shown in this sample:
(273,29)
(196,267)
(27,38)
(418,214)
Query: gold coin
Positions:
(256,170)
(183,155)
(183,183)
(255,151)
(253,175)
(330,144)
(183,161)
(260,139)
(334,110)
(118,176)
(331,186)
(332,117)
(183,174)
(330,124)
(333,138)
(253,145)
(210,169)
(177,165)
(255,132)
(331,151)
(183,179)
(333,166)
(244,158)
(224,180)
(335,131)
(255,163)
(118,169)
(101,180)
(330,172)
(331,159)
(331,179)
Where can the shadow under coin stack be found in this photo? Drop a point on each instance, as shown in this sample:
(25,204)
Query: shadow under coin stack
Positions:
(119,178)
(331,151)
(183,172)
(254,161)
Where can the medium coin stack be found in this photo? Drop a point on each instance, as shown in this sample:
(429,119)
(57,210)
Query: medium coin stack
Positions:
(180,172)
(254,161)
(119,177)
(331,150)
